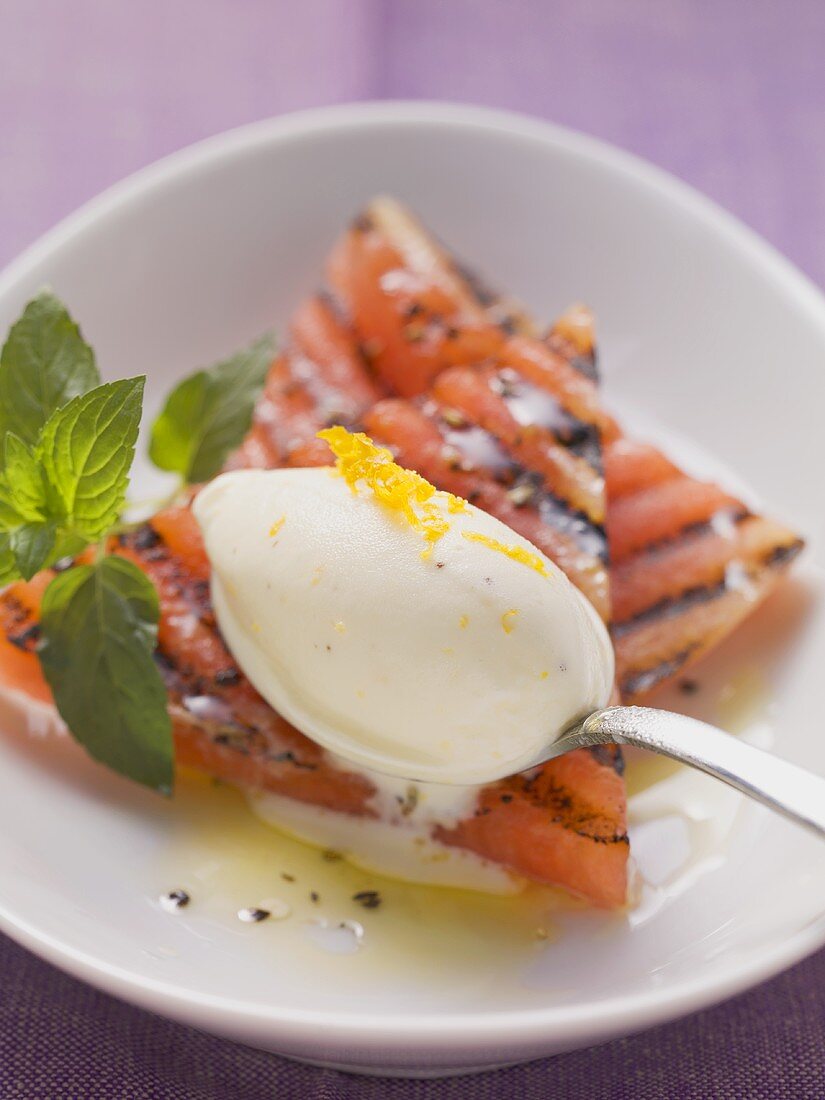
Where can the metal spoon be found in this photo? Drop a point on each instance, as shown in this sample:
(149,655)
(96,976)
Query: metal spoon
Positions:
(792,791)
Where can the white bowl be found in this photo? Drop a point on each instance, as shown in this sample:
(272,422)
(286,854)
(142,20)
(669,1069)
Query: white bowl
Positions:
(704,330)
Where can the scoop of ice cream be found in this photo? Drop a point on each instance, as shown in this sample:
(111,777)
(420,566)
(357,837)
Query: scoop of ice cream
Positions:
(398,626)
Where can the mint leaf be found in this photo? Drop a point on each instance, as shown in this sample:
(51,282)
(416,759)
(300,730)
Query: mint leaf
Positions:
(208,414)
(32,545)
(44,363)
(86,450)
(99,629)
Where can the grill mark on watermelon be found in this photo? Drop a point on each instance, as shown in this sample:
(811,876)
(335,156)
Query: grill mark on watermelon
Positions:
(672,606)
(586,365)
(477,450)
(363,223)
(610,756)
(27,639)
(533,406)
(783,555)
(689,529)
(589,536)
(636,683)
(335,304)
(478,287)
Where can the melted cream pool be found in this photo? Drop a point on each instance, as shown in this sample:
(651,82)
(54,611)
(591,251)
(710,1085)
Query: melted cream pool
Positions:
(227,860)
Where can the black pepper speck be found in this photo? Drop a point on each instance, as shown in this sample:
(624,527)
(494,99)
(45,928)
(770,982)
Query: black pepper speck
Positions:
(175,900)
(226,676)
(253,915)
(369,899)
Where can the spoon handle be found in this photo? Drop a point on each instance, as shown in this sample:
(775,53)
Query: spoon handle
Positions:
(792,791)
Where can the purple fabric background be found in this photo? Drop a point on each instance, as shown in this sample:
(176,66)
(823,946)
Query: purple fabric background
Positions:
(728,94)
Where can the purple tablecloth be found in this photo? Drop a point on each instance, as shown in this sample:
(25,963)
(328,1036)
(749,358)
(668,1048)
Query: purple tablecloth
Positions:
(728,94)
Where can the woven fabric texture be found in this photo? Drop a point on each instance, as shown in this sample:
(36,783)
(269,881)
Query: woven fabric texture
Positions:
(60,1039)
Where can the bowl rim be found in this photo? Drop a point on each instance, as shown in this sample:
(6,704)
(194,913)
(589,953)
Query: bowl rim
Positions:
(519,1028)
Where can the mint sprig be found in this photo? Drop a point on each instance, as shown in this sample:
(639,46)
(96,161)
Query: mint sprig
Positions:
(67,443)
(69,488)
(208,414)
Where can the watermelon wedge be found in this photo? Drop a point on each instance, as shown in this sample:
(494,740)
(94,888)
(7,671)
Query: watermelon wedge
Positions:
(485,405)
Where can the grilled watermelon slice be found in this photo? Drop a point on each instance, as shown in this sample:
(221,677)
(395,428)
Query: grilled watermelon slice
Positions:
(485,405)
